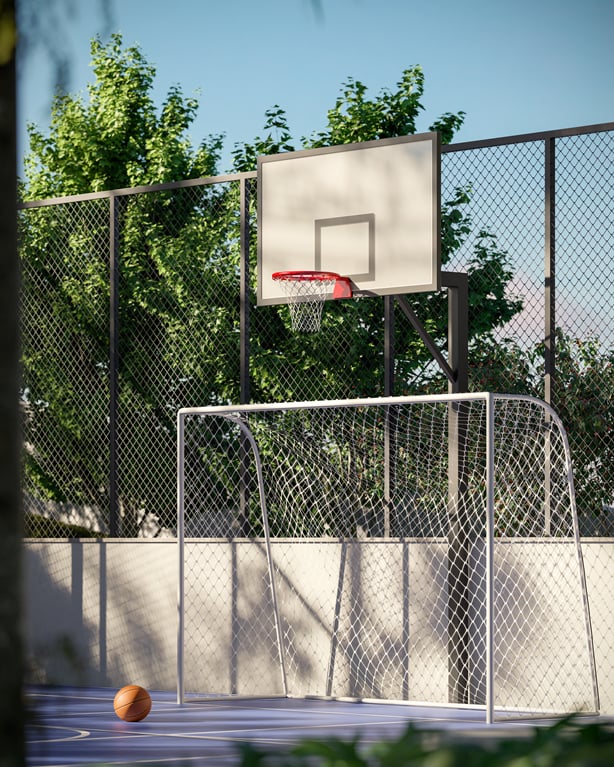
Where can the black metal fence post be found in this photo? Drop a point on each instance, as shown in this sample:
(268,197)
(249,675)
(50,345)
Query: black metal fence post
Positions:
(113,361)
(244,350)
(389,424)
(549,307)
(459,540)
(245,238)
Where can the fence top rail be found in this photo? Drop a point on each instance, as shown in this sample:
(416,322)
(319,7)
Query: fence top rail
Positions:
(458,147)
(359,402)
(110,193)
(528,137)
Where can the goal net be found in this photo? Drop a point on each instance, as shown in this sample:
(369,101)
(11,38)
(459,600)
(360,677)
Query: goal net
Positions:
(420,549)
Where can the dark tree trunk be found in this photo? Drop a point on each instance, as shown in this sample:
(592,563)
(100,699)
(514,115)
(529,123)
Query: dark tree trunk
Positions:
(11,706)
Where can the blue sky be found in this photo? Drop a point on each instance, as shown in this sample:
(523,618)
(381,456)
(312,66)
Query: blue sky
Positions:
(514,66)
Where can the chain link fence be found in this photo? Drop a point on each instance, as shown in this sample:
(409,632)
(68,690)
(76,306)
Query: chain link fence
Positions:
(138,302)
(66,391)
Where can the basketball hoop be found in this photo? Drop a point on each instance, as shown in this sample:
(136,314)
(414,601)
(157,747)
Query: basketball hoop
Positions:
(306,292)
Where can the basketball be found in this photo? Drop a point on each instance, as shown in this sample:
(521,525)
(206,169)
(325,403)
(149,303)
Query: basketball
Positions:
(132,703)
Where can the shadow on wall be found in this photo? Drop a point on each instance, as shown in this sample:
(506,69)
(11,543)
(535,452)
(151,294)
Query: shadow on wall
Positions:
(91,621)
(59,641)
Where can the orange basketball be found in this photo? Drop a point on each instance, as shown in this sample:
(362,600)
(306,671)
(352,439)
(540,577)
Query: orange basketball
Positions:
(132,703)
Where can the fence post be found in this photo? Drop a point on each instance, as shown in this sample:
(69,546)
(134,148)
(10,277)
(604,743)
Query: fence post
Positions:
(244,346)
(459,540)
(113,361)
(389,351)
(244,289)
(389,357)
(549,269)
(549,308)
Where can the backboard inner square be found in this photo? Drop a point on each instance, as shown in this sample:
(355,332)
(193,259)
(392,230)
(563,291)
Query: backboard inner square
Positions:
(346,245)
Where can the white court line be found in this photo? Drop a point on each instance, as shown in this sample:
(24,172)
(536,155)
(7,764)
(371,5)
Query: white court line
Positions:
(80,734)
(227,735)
(67,696)
(178,760)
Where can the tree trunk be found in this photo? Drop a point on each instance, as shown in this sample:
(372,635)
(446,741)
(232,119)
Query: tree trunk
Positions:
(11,657)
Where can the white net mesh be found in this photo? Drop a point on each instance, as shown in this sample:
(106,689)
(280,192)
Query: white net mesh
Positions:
(375,570)
(306,292)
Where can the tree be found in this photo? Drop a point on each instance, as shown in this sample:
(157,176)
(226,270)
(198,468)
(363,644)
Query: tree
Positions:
(116,140)
(585,403)
(168,242)
(178,288)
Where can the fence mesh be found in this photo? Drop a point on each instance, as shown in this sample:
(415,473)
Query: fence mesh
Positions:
(178,335)
(374,516)
(65,340)
(506,200)
(178,327)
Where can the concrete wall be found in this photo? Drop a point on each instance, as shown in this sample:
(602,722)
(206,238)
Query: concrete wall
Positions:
(104,612)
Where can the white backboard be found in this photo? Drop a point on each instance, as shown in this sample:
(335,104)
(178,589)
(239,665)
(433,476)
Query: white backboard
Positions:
(368,211)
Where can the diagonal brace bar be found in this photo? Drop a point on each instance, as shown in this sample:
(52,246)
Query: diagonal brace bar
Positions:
(426,338)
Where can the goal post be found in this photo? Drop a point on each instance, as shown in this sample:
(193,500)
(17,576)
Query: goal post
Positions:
(321,553)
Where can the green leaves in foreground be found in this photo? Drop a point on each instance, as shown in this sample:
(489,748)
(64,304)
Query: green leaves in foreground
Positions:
(568,743)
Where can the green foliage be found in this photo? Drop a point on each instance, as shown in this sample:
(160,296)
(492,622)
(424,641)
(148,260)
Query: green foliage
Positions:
(276,139)
(489,274)
(501,365)
(568,743)
(179,266)
(355,118)
(585,403)
(116,139)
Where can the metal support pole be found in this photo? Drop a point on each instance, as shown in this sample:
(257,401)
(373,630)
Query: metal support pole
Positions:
(549,270)
(388,425)
(549,311)
(490,528)
(113,361)
(456,370)
(181,560)
(426,339)
(388,346)
(245,236)
(459,539)
(457,284)
(244,352)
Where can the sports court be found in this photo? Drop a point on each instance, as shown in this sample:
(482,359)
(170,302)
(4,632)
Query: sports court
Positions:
(77,726)
(337,557)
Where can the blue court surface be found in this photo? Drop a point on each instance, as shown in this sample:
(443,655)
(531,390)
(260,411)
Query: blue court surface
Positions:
(78,726)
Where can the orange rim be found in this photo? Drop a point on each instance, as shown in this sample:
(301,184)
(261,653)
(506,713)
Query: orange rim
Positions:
(303,275)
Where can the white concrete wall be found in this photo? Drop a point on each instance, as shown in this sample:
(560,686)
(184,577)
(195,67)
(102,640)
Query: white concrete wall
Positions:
(104,612)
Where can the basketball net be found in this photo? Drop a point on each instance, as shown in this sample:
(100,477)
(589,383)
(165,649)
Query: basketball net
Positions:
(306,292)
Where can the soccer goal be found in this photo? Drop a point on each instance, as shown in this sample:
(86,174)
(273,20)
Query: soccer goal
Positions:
(417,549)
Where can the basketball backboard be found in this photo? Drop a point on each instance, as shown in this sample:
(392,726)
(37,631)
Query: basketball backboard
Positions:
(368,211)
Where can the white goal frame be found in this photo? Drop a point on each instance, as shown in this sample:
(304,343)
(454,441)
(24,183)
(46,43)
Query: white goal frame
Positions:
(487,602)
